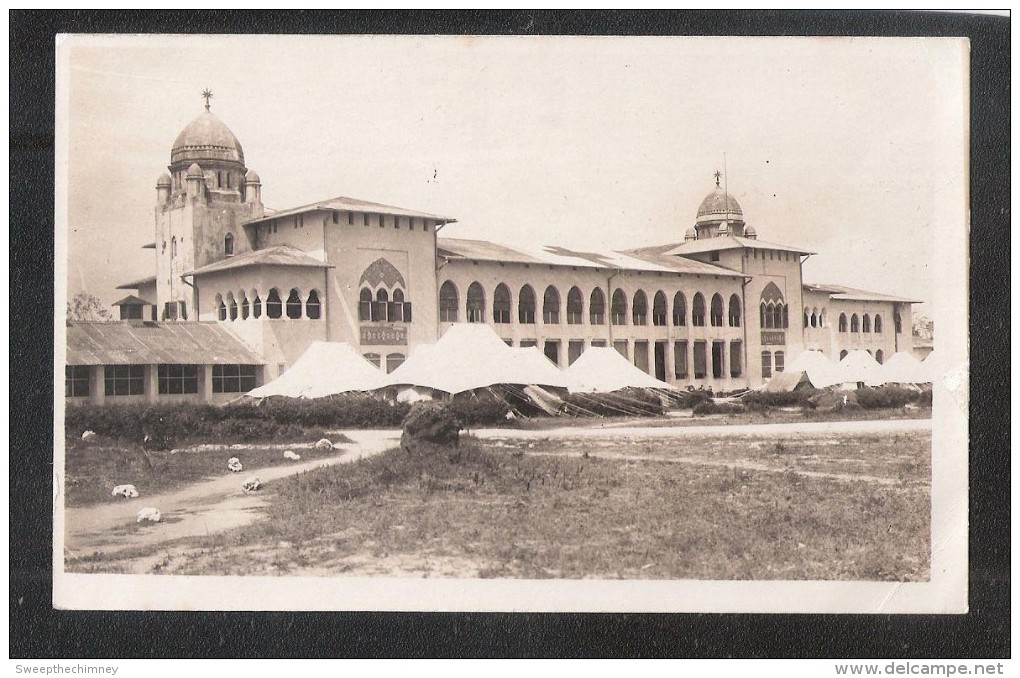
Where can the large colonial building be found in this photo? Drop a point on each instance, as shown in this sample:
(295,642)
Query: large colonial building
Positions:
(721,308)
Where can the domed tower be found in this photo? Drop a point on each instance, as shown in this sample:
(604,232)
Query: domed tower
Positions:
(201,206)
(719,214)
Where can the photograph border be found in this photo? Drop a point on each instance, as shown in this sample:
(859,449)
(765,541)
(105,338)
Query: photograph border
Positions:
(543,23)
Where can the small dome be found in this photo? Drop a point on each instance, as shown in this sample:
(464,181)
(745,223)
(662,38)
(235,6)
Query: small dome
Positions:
(195,171)
(164,179)
(719,202)
(749,232)
(206,138)
(252,177)
(691,234)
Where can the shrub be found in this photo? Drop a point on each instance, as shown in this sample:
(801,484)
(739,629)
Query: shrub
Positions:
(432,424)
(762,400)
(691,398)
(712,407)
(486,410)
(885,397)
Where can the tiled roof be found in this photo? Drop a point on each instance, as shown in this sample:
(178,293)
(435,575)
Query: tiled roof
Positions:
(342,204)
(132,300)
(852,294)
(135,284)
(631,260)
(729,243)
(280,255)
(151,343)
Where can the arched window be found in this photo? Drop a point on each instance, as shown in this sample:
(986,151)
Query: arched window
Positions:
(221,308)
(228,245)
(244,306)
(475,303)
(575,306)
(679,309)
(766,364)
(294,305)
(365,304)
(897,323)
(393,361)
(878,324)
(619,308)
(526,306)
(734,315)
(717,311)
(551,306)
(373,358)
(814,317)
(256,306)
(821,318)
(597,307)
(449,301)
(698,310)
(232,306)
(313,309)
(842,354)
(640,309)
(274,306)
(766,316)
(780,361)
(866,323)
(879,356)
(501,304)
(786,316)
(855,323)
(807,320)
(842,322)
(659,309)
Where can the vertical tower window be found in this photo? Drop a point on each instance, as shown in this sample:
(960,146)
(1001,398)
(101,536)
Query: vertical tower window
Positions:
(294,305)
(274,306)
(228,245)
(475,303)
(597,308)
(551,306)
(501,304)
(526,306)
(448,302)
(313,309)
(619,308)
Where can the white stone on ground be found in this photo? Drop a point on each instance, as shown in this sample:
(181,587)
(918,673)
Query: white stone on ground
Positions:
(234,464)
(251,484)
(150,514)
(88,435)
(324,444)
(126,491)
(289,454)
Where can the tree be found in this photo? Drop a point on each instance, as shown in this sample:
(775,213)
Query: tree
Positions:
(923,327)
(85,307)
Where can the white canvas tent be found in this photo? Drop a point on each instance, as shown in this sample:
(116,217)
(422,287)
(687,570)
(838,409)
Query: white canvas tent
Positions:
(904,368)
(859,366)
(811,367)
(471,356)
(325,368)
(601,369)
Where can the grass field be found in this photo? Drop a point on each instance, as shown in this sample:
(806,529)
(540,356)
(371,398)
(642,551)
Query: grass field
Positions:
(93,469)
(838,508)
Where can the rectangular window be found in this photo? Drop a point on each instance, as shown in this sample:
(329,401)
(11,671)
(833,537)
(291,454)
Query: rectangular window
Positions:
(234,378)
(364,217)
(177,379)
(122,380)
(641,355)
(552,351)
(736,363)
(382,221)
(622,348)
(700,360)
(680,359)
(574,350)
(528,343)
(410,224)
(780,361)
(350,218)
(717,359)
(715,256)
(598,343)
(76,381)
(766,364)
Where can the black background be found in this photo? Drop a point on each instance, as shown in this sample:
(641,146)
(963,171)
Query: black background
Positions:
(37,630)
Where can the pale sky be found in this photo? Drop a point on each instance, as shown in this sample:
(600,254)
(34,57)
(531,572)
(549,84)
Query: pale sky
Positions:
(851,148)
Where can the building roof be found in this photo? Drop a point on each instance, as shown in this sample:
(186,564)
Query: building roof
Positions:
(648,259)
(280,255)
(851,294)
(135,284)
(132,300)
(343,204)
(731,242)
(151,343)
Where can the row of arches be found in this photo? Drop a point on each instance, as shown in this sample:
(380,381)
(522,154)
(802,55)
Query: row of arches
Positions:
(815,318)
(878,355)
(246,305)
(383,306)
(622,310)
(862,323)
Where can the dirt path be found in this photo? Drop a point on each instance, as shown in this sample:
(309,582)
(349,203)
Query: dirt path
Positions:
(202,508)
(809,428)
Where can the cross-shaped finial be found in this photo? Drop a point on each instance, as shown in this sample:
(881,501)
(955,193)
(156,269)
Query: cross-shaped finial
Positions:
(207,95)
(717,175)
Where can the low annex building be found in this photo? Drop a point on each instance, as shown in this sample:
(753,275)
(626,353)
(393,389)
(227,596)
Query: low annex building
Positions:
(720,308)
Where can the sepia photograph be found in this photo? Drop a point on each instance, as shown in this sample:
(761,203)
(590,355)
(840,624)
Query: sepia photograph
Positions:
(634,324)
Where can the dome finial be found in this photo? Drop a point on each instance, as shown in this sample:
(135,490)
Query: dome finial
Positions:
(207,95)
(718,176)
